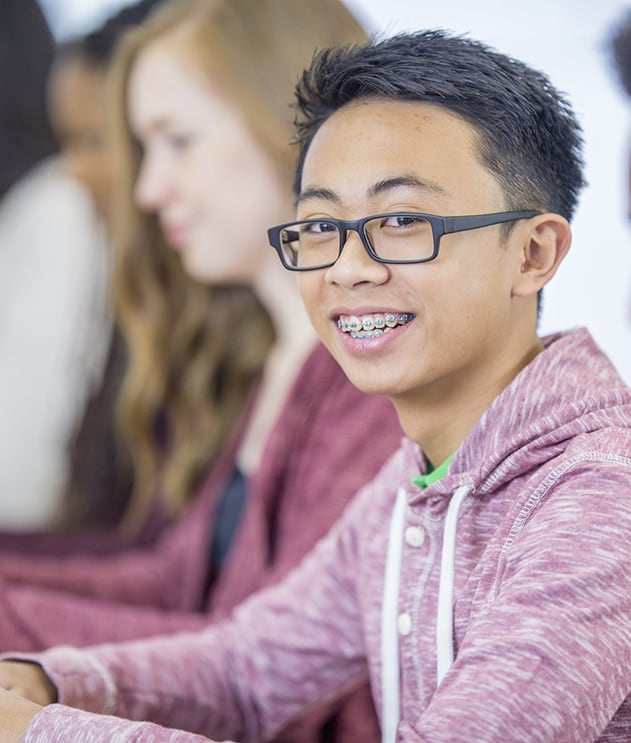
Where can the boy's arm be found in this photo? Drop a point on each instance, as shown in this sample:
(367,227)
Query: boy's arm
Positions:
(22,720)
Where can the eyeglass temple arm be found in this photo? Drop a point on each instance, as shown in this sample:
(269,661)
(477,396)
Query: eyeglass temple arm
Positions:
(462,224)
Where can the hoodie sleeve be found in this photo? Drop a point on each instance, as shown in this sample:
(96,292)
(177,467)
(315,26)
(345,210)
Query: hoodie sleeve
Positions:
(58,724)
(290,646)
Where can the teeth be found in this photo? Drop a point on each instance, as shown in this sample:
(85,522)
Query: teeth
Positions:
(372,326)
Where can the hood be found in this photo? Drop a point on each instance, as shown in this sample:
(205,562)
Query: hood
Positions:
(571,387)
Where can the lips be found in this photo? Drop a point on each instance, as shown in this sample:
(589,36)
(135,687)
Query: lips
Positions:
(372,325)
(174,233)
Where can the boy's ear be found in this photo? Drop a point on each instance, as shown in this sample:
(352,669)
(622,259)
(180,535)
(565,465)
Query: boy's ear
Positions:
(544,247)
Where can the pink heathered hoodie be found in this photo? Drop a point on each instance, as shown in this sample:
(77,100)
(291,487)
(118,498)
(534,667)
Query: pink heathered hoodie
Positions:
(508,580)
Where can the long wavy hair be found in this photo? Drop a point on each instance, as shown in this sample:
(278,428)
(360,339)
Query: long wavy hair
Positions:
(197,351)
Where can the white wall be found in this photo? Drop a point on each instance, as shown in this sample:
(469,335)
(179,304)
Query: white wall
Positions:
(566,39)
(69,18)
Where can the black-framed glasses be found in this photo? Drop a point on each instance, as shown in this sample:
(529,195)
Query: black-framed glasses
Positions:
(401,237)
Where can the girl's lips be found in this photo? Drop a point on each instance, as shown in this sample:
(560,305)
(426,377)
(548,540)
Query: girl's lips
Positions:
(175,238)
(174,233)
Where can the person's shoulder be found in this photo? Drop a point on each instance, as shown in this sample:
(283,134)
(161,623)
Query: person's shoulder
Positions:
(49,207)
(48,180)
(609,444)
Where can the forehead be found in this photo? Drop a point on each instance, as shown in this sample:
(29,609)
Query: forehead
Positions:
(73,71)
(371,141)
(163,81)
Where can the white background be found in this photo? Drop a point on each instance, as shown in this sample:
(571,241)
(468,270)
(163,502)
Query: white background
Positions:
(568,40)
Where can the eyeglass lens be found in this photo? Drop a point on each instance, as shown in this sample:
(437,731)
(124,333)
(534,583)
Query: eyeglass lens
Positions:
(392,238)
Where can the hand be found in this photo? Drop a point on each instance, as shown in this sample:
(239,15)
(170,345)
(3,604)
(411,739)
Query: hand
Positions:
(28,680)
(15,716)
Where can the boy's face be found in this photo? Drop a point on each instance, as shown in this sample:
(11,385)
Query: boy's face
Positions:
(384,156)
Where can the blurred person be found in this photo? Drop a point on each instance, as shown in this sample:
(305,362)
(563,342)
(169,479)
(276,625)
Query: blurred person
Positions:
(54,329)
(621,50)
(60,350)
(219,347)
(100,476)
(78,100)
(480,578)
(52,278)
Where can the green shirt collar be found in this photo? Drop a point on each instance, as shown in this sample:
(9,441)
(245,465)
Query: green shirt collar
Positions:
(433,475)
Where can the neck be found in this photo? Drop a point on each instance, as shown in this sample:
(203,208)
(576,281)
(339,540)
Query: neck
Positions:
(440,418)
(278,291)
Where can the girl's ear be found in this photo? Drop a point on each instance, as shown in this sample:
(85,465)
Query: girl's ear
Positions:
(544,248)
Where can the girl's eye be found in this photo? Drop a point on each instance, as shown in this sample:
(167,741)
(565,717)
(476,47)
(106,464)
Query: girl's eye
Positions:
(179,142)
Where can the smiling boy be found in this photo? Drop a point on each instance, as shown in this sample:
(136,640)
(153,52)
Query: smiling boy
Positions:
(470,314)
(480,580)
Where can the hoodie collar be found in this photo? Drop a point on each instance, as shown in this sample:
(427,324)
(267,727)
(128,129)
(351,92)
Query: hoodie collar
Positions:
(569,388)
(432,475)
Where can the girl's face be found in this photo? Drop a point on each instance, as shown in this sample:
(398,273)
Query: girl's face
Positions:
(211,186)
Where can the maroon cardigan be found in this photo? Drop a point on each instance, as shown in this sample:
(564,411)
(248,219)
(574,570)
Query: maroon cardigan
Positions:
(329,440)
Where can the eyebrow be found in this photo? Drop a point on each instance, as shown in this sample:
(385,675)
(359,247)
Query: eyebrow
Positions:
(155,126)
(317,193)
(380,187)
(159,123)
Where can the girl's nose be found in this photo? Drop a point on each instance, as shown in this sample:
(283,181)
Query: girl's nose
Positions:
(151,185)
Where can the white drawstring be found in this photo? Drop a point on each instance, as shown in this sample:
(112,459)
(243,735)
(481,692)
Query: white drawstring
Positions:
(390,679)
(390,671)
(445,614)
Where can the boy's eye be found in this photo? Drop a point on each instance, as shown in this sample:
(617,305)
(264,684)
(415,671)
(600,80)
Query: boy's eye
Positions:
(318,227)
(399,220)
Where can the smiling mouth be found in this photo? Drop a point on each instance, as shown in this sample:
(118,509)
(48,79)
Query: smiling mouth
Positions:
(372,326)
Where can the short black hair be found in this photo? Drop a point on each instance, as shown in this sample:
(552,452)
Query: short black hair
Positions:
(529,136)
(621,48)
